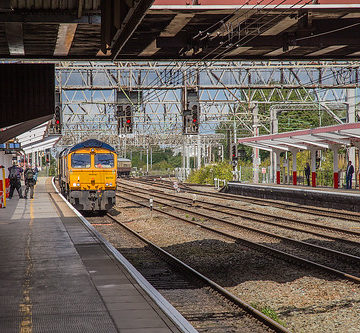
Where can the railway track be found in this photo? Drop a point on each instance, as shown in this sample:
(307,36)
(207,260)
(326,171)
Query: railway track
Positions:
(266,218)
(205,304)
(316,211)
(333,262)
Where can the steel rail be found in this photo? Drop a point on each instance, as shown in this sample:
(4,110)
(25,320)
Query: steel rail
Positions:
(354,216)
(319,211)
(339,230)
(257,246)
(252,218)
(222,291)
(314,247)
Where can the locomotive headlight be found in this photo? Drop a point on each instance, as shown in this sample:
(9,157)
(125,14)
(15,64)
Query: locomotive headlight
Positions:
(106,184)
(110,184)
(78,184)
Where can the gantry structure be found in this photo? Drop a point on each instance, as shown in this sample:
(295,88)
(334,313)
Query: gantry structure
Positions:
(241,95)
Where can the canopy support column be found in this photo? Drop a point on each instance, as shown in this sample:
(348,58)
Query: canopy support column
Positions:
(277,161)
(357,145)
(313,167)
(336,166)
(351,115)
(294,168)
(274,128)
(256,156)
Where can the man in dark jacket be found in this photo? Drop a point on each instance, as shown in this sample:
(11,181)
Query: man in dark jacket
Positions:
(349,174)
(29,176)
(15,180)
(307,173)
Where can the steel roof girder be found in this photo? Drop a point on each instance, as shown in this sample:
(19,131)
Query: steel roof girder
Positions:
(316,144)
(330,137)
(291,145)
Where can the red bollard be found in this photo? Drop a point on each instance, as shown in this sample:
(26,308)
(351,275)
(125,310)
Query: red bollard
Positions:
(7,185)
(277,177)
(313,179)
(294,178)
(336,180)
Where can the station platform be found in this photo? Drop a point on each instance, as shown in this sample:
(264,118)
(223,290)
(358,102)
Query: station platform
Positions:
(345,199)
(56,275)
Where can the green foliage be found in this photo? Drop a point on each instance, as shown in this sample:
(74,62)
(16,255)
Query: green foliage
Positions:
(206,175)
(162,165)
(248,151)
(300,119)
(268,311)
(51,169)
(288,120)
(162,159)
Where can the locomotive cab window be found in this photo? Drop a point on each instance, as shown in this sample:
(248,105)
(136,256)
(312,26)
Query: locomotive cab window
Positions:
(80,161)
(105,161)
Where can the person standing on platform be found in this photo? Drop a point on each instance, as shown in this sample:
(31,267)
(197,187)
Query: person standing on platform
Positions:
(307,173)
(36,171)
(15,180)
(349,174)
(30,182)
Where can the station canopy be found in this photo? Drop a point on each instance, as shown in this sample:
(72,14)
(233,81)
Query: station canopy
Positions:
(179,29)
(308,139)
(37,139)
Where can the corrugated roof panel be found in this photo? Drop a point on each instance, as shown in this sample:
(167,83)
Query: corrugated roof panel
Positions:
(46,41)
(81,44)
(4,48)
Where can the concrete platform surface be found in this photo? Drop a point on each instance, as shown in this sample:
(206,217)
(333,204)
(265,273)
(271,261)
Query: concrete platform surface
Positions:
(56,276)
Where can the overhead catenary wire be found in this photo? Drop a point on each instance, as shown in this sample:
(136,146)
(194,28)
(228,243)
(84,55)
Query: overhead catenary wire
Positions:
(254,36)
(178,73)
(222,20)
(254,6)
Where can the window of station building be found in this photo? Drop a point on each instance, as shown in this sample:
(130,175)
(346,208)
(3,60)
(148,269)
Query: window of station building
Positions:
(105,161)
(80,161)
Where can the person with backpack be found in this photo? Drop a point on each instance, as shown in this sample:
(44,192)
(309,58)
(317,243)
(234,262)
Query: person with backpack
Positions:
(15,180)
(30,181)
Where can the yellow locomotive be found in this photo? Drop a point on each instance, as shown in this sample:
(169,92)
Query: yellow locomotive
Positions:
(87,175)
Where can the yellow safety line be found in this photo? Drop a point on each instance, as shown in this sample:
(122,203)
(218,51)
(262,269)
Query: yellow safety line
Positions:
(26,305)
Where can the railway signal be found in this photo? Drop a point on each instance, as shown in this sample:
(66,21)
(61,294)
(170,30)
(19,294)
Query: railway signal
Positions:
(124,116)
(191,111)
(128,118)
(57,119)
(234,156)
(195,118)
(127,103)
(55,124)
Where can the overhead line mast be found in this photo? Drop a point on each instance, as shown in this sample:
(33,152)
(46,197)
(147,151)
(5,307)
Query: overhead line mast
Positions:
(92,98)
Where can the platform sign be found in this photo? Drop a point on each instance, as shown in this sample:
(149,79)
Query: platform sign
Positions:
(263,170)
